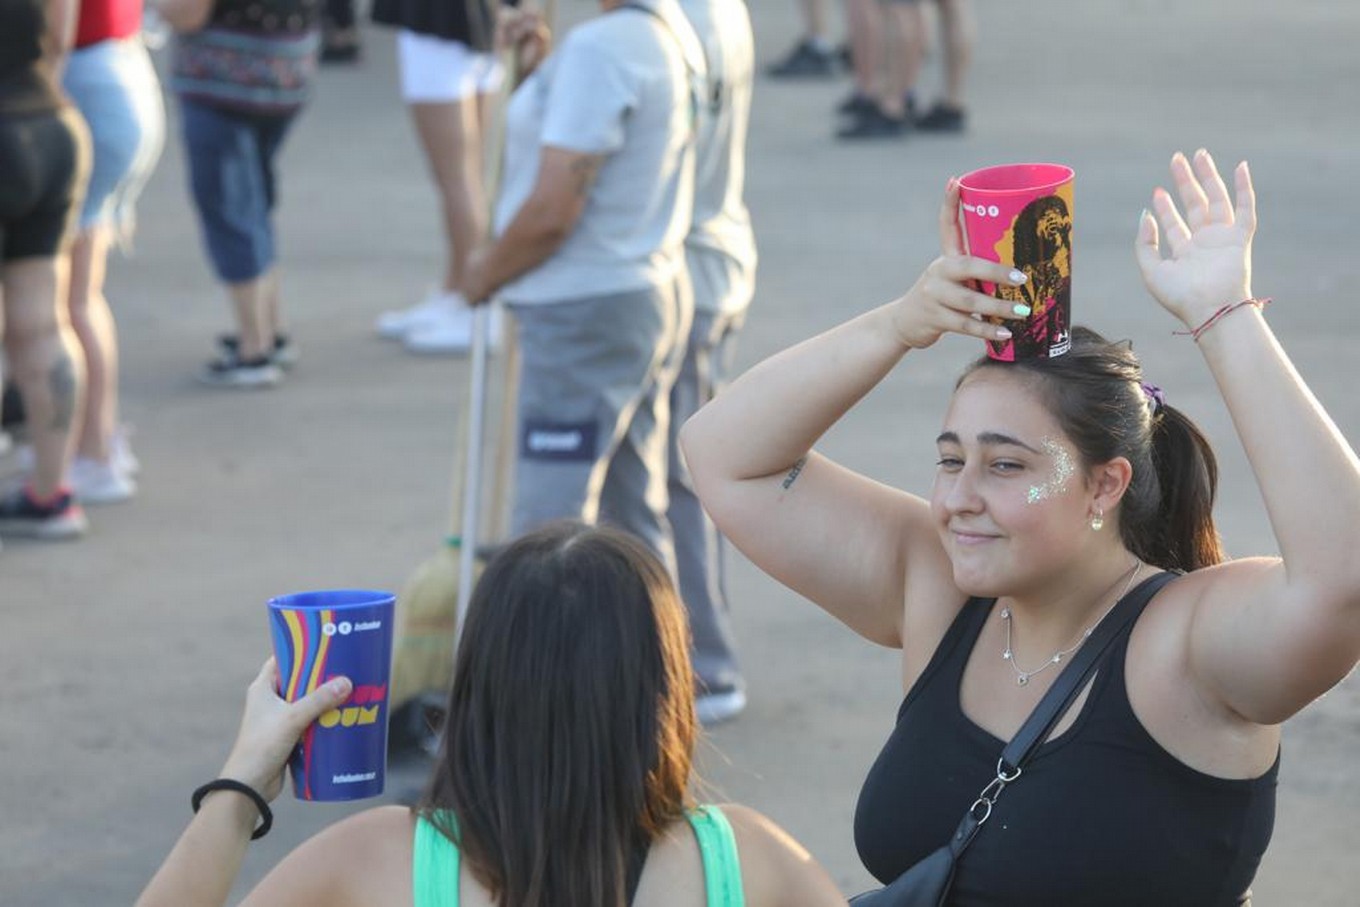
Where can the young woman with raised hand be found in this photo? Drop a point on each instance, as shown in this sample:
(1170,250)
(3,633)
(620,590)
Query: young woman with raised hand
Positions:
(563,776)
(1061,483)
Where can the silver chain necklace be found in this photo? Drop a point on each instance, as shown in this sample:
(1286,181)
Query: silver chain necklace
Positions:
(1022,677)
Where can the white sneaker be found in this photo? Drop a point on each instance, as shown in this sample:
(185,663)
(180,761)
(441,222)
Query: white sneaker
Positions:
(121,456)
(717,706)
(454,334)
(94,482)
(435,309)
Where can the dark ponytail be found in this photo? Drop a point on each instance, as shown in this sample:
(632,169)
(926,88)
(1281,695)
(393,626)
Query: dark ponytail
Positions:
(1095,392)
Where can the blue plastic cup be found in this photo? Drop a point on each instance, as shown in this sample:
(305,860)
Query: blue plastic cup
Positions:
(337,633)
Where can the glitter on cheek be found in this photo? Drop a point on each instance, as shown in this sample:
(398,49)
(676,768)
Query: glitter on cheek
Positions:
(1063,469)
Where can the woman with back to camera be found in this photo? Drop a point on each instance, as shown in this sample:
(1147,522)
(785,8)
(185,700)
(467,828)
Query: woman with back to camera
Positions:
(44,165)
(563,774)
(1062,483)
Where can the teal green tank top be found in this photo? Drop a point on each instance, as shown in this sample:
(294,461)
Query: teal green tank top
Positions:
(434,863)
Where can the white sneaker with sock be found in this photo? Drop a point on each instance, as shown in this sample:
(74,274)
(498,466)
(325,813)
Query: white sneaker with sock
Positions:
(94,482)
(438,308)
(454,335)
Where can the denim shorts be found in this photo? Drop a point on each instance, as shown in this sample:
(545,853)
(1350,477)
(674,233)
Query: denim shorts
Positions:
(114,85)
(231,175)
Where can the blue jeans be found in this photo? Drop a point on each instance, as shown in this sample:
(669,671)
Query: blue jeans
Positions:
(231,173)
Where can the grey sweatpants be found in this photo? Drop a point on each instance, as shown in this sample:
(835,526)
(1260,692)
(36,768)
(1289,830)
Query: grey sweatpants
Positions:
(594,410)
(699,548)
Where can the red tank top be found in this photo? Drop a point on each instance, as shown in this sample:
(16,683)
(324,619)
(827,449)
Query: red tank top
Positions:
(104,20)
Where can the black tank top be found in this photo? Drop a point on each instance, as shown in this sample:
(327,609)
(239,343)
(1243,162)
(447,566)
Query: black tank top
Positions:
(1103,814)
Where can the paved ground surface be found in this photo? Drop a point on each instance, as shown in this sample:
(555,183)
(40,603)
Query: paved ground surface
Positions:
(123,658)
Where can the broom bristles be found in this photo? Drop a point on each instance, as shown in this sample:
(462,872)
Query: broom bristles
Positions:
(426,621)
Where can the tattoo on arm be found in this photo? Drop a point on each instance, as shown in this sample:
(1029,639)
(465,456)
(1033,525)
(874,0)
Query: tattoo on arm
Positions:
(61,383)
(584,170)
(794,472)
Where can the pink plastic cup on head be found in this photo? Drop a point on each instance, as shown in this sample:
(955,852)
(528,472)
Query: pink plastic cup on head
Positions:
(1021,215)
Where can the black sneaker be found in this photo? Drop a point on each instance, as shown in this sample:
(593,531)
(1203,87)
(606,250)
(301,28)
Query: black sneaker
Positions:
(805,61)
(856,104)
(231,371)
(285,350)
(59,518)
(941,118)
(875,124)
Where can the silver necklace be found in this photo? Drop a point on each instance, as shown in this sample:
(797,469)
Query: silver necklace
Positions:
(1021,676)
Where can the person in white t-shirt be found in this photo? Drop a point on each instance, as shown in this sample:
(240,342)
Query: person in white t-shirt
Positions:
(720,252)
(589,254)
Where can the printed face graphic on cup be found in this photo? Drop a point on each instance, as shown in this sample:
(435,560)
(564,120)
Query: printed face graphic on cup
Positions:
(1041,243)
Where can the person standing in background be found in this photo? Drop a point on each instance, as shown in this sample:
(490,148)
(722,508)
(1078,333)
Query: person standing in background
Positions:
(720,254)
(589,254)
(243,70)
(339,32)
(447,73)
(959,34)
(110,78)
(44,165)
(814,56)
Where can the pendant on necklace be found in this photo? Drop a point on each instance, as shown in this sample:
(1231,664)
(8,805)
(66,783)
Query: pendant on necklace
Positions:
(1022,680)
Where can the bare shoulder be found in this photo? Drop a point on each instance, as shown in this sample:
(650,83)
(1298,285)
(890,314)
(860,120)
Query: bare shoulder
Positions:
(363,860)
(775,868)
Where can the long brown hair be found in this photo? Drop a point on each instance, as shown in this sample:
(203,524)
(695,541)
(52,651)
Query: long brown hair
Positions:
(571,728)
(1095,392)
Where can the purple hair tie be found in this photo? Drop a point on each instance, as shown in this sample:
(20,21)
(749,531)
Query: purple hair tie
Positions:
(1156,397)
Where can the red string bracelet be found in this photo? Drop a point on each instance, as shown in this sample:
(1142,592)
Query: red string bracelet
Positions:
(1259,301)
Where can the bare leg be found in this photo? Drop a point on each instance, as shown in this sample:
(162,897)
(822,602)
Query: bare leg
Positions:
(865,22)
(451,140)
(960,33)
(905,26)
(93,324)
(273,312)
(249,298)
(45,362)
(814,19)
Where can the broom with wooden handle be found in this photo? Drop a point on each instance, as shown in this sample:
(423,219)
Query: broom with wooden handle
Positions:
(433,601)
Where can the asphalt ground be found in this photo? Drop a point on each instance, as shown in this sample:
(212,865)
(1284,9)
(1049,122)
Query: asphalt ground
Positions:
(123,658)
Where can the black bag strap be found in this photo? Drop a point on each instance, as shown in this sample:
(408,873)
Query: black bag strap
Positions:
(1055,704)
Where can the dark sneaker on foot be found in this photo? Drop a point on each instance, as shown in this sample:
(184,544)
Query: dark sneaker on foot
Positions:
(875,124)
(229,371)
(805,61)
(58,518)
(856,104)
(941,118)
(285,350)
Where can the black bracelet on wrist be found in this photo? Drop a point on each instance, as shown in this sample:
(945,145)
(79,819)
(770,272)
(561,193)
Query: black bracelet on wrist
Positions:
(266,814)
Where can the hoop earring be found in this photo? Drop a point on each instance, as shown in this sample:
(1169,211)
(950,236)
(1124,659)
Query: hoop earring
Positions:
(1098,521)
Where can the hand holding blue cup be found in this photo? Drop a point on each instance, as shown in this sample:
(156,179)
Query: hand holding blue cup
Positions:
(334,633)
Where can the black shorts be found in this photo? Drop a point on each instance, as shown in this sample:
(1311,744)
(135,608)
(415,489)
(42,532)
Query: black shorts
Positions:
(45,159)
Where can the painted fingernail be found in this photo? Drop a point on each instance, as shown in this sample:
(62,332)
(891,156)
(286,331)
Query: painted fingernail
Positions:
(1003,334)
(1019,277)
(1020,309)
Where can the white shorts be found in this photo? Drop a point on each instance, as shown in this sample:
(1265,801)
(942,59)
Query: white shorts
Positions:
(436,71)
